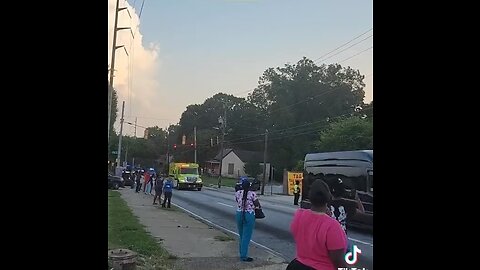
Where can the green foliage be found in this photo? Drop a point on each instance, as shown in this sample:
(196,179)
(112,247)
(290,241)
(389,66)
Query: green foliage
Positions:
(353,133)
(252,169)
(299,166)
(295,103)
(114,112)
(124,231)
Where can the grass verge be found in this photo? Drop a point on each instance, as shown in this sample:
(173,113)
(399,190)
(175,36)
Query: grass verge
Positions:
(228,182)
(124,231)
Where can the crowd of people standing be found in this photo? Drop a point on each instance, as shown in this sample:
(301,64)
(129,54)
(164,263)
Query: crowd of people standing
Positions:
(151,183)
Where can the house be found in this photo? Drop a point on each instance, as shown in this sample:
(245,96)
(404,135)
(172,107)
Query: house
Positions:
(233,162)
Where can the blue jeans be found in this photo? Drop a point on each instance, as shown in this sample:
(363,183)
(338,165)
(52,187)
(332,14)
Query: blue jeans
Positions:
(245,230)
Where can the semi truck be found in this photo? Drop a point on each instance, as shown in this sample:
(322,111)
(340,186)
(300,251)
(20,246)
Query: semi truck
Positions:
(185,176)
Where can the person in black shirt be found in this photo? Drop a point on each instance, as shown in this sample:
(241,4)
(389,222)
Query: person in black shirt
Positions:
(138,178)
(341,208)
(158,189)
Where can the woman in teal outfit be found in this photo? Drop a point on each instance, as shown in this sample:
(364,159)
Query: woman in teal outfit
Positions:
(246,202)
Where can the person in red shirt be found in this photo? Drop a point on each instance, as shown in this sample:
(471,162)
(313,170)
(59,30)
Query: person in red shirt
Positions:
(146,176)
(320,240)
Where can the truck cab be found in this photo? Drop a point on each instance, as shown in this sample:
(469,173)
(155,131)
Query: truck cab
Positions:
(186,176)
(355,168)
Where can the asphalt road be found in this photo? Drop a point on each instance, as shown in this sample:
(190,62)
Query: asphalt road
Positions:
(273,232)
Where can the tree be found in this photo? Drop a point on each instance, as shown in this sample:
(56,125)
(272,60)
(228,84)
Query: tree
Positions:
(294,102)
(305,95)
(243,118)
(113,117)
(252,169)
(365,110)
(299,166)
(352,133)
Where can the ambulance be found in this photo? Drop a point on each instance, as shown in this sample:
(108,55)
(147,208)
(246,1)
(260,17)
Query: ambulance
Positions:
(185,176)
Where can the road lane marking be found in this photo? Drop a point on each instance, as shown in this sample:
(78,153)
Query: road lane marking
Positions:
(276,205)
(225,204)
(273,252)
(365,243)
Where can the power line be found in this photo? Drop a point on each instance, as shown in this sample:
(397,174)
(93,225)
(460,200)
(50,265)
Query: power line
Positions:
(276,131)
(287,106)
(320,56)
(323,60)
(309,130)
(315,60)
(303,101)
(253,136)
(343,44)
(141,9)
(302,131)
(300,102)
(307,124)
(355,55)
(146,117)
(276,138)
(132,59)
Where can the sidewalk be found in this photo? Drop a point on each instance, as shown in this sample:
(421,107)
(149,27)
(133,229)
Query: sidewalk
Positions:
(196,245)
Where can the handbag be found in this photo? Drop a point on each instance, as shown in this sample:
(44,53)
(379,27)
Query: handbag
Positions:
(259,213)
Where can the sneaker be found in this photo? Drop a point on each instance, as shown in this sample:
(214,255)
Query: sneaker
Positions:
(247,259)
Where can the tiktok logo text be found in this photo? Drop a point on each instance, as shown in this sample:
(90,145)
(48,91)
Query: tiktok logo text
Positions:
(352,257)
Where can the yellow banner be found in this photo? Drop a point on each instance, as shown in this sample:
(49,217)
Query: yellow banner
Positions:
(292,177)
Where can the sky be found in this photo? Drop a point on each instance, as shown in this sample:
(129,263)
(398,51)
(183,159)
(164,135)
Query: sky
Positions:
(185,51)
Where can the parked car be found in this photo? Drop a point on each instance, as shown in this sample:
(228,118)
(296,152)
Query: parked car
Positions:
(127,176)
(254,184)
(114,182)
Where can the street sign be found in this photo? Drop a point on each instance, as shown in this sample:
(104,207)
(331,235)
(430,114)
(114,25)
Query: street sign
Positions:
(292,177)
(114,152)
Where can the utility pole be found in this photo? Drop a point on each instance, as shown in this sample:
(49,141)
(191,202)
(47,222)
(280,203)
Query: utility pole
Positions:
(265,162)
(126,154)
(135,128)
(120,135)
(271,179)
(112,67)
(223,122)
(195,142)
(167,158)
(112,63)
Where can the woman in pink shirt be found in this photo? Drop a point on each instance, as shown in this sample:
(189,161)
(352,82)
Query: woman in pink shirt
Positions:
(320,240)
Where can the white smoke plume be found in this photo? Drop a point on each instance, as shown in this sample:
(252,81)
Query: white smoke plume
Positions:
(135,74)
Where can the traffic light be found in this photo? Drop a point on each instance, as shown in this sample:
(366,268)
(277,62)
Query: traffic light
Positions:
(175,146)
(191,144)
